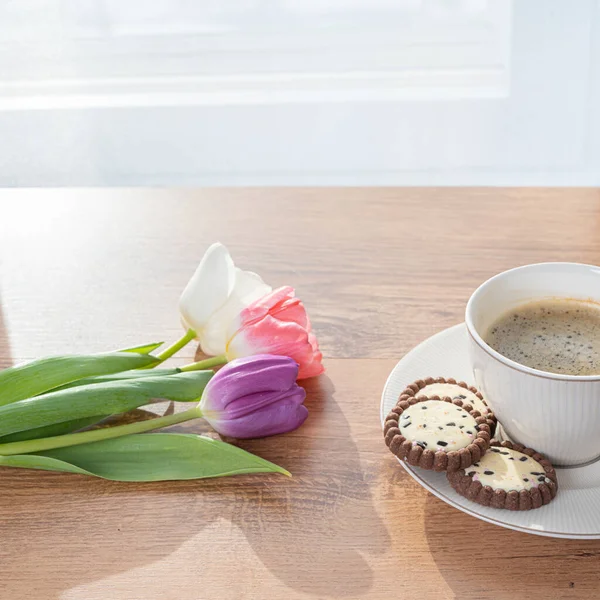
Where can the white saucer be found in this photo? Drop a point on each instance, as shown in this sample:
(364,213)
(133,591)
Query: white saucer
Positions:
(574,513)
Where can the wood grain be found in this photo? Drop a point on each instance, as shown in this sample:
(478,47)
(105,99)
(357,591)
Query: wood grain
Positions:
(380,270)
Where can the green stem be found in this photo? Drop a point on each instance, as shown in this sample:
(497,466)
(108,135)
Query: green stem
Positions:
(189,335)
(208,363)
(85,437)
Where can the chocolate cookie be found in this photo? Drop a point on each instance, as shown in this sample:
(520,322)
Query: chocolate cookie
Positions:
(509,476)
(439,387)
(434,434)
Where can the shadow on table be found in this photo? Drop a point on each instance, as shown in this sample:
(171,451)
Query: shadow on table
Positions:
(479,560)
(314,539)
(63,532)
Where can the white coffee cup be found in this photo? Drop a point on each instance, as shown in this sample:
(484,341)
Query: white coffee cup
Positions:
(558,415)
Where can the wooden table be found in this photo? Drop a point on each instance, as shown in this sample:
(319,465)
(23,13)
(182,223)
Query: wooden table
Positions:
(379,270)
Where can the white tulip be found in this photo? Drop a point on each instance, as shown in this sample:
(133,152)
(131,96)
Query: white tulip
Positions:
(217,292)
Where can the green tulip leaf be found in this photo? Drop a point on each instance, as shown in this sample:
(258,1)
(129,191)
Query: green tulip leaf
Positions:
(148,457)
(52,430)
(145,349)
(108,398)
(119,377)
(77,425)
(39,376)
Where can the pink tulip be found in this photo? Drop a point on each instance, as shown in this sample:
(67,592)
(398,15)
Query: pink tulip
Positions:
(277,323)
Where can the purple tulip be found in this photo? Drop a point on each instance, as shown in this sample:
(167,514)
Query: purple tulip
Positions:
(255,396)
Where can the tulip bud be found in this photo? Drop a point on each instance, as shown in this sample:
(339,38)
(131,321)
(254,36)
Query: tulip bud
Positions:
(215,295)
(277,323)
(256,396)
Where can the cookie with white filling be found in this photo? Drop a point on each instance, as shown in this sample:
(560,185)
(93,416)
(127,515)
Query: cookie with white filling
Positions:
(440,387)
(436,434)
(509,476)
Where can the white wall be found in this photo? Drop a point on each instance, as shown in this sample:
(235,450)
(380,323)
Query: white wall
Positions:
(369,92)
